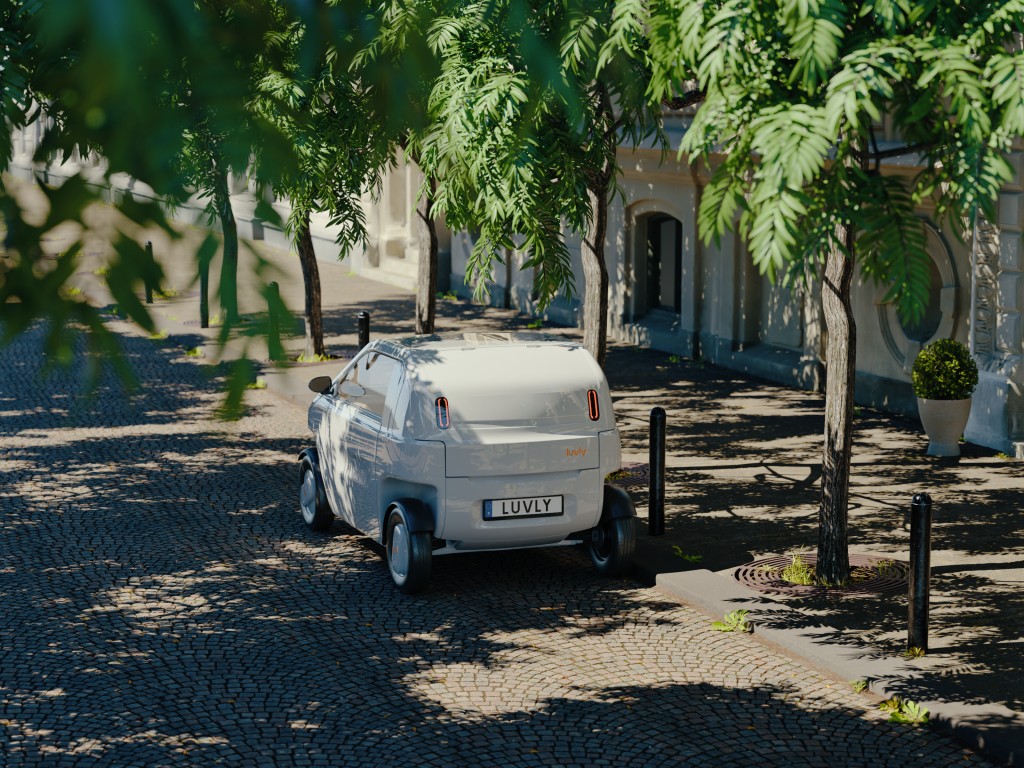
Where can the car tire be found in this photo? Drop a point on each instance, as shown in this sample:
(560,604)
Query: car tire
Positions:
(612,545)
(316,512)
(408,554)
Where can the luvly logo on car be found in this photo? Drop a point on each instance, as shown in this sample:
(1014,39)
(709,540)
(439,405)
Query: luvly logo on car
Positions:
(575,451)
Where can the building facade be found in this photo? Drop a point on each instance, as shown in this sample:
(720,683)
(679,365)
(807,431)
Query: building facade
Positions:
(672,292)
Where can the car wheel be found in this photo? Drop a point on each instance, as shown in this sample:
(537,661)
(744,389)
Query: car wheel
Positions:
(313,499)
(612,545)
(408,554)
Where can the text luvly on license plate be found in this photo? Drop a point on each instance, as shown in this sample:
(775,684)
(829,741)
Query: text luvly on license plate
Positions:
(533,506)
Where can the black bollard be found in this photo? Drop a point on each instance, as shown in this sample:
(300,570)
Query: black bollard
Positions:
(204,295)
(920,570)
(273,302)
(364,328)
(149,257)
(656,497)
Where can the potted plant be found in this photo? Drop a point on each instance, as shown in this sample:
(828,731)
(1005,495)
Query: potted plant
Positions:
(944,377)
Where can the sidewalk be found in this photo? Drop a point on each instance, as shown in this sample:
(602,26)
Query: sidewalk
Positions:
(742,481)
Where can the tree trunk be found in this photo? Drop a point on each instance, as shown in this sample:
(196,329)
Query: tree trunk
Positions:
(229,264)
(426,281)
(595,276)
(312,313)
(841,365)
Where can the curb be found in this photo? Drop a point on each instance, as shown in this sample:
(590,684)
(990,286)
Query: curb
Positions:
(993,730)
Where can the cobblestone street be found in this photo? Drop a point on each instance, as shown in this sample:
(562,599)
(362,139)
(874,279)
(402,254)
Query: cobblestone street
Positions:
(164,605)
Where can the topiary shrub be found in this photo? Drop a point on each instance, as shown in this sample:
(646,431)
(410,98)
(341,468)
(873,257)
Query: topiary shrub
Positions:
(944,370)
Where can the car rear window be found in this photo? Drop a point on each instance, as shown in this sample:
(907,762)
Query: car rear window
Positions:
(518,408)
(541,386)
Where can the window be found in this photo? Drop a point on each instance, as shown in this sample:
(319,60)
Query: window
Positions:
(664,262)
(925,329)
(374,373)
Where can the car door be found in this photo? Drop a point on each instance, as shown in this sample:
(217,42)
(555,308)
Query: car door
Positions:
(355,420)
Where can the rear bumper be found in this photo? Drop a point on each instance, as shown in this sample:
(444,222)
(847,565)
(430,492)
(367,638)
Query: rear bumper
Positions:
(465,528)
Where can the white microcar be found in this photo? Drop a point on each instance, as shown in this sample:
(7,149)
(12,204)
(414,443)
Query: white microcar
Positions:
(467,442)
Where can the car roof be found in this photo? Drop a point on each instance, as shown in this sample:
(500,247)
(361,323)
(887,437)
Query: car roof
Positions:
(500,363)
(439,346)
(504,378)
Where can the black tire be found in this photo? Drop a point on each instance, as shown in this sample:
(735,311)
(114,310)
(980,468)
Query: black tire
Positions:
(408,554)
(316,512)
(612,545)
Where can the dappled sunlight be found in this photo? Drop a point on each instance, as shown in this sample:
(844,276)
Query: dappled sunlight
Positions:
(174,608)
(527,665)
(165,601)
(743,482)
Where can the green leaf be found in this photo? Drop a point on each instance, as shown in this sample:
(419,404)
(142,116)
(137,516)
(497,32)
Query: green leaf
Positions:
(815,38)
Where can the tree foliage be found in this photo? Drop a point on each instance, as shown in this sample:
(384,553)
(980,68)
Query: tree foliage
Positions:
(327,113)
(521,125)
(103,73)
(794,94)
(793,98)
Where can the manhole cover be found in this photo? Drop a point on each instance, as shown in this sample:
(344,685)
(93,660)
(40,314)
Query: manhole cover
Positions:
(631,475)
(869,575)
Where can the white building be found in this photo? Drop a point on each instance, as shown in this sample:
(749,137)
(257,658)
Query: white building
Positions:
(671,292)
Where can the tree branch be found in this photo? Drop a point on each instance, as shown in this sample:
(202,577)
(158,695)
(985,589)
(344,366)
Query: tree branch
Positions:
(885,153)
(612,129)
(688,99)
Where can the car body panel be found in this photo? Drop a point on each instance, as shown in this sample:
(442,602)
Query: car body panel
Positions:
(465,527)
(515,451)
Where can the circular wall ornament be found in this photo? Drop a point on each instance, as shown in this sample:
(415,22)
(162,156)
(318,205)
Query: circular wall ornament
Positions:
(903,339)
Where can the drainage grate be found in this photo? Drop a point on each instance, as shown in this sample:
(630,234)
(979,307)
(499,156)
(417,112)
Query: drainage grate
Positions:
(869,575)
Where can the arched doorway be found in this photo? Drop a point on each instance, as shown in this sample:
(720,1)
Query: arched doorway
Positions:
(656,290)
(661,279)
(664,254)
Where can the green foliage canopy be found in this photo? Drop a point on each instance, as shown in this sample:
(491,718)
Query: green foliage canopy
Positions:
(328,114)
(146,83)
(525,117)
(794,96)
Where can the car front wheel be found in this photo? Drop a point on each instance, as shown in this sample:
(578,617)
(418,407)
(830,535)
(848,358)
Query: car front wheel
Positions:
(408,554)
(612,545)
(313,499)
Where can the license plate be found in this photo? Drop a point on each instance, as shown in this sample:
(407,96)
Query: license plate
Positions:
(532,506)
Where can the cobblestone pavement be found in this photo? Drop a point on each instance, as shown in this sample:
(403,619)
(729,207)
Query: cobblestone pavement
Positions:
(163,605)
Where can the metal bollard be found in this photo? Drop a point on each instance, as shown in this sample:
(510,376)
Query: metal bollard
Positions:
(273,302)
(149,257)
(204,295)
(656,496)
(364,328)
(920,570)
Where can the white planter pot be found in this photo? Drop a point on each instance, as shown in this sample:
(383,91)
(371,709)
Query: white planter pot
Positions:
(944,422)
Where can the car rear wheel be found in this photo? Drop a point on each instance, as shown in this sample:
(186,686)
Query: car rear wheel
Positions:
(408,554)
(313,499)
(612,545)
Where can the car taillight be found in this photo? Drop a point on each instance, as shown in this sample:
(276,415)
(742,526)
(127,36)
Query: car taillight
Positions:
(595,412)
(441,404)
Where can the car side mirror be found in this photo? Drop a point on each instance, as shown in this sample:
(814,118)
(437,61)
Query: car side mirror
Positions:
(349,389)
(320,384)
